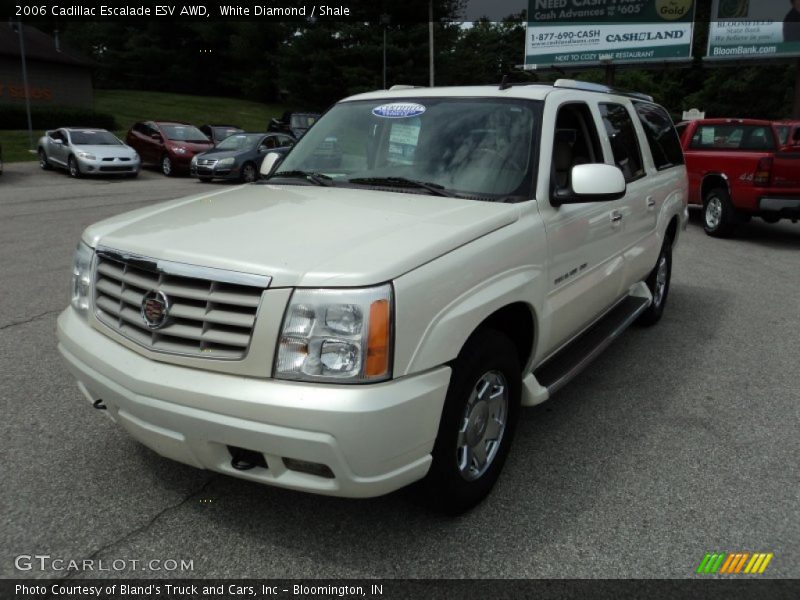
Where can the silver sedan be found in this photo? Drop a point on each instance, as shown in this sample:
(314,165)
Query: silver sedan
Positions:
(87,152)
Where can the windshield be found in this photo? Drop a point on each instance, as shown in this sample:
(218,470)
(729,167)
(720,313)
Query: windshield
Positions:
(94,138)
(240,142)
(184,133)
(302,121)
(466,146)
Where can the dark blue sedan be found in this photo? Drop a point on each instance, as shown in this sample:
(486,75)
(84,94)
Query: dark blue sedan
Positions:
(239,156)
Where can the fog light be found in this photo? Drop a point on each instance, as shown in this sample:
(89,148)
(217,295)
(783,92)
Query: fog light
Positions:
(311,468)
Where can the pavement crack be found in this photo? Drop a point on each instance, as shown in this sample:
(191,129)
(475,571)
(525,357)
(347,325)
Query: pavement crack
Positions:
(30,320)
(142,528)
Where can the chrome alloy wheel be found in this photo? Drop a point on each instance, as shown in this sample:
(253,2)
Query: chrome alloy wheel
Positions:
(166,166)
(661,280)
(482,426)
(713,212)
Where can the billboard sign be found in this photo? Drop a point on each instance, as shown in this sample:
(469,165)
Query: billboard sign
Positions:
(743,29)
(567,33)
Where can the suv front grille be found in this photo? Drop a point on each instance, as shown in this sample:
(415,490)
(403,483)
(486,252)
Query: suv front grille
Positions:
(210,315)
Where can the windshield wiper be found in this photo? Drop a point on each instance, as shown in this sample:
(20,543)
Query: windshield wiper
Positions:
(433,188)
(316,178)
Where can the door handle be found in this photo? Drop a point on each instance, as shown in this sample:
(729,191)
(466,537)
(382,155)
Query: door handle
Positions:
(616,216)
(650,202)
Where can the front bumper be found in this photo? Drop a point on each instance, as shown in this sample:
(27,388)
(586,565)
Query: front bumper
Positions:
(108,167)
(230,172)
(784,207)
(373,438)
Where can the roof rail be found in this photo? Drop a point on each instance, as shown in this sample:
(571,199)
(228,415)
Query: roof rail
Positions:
(587,86)
(401,86)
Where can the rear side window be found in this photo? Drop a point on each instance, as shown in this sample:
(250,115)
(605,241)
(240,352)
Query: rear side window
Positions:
(733,137)
(624,142)
(661,136)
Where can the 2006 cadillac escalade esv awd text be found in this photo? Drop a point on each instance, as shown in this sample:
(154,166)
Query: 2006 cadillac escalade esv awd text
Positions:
(370,317)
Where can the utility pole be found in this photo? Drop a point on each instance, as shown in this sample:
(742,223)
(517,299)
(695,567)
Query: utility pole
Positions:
(796,107)
(430,40)
(21,34)
(385,20)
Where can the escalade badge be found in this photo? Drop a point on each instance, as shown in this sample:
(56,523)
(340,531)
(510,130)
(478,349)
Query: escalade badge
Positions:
(155,309)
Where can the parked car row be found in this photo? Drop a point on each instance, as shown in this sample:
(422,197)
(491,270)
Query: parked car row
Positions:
(742,168)
(207,152)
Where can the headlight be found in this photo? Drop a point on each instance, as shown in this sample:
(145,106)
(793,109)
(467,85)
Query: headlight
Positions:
(86,156)
(135,156)
(226,162)
(179,150)
(82,278)
(194,160)
(337,335)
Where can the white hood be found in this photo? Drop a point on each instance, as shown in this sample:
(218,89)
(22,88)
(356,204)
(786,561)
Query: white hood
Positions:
(303,235)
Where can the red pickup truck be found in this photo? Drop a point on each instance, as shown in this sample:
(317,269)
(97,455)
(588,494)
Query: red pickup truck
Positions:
(738,169)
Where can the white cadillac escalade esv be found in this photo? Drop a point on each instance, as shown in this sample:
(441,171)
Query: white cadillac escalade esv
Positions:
(376,310)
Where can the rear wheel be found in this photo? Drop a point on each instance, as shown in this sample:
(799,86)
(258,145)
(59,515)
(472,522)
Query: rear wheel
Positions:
(478,422)
(43,162)
(658,284)
(767,218)
(719,216)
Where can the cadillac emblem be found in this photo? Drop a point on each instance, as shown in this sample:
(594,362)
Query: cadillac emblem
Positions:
(155,309)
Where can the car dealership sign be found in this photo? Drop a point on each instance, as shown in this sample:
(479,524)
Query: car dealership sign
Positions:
(590,32)
(754,29)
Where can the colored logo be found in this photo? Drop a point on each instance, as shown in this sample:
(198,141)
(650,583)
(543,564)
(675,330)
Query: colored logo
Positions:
(672,10)
(734,563)
(398,110)
(155,309)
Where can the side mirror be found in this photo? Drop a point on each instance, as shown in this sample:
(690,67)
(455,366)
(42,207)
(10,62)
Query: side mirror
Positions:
(57,141)
(592,183)
(270,163)
(262,149)
(157,137)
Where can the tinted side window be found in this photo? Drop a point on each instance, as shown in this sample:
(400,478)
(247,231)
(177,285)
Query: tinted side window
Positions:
(624,142)
(661,135)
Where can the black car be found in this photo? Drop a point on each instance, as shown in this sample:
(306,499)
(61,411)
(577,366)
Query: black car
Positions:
(239,156)
(293,123)
(217,133)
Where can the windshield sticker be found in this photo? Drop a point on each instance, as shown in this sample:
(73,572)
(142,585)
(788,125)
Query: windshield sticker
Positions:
(398,110)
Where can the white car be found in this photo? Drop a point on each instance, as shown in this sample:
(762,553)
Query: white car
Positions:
(362,320)
(87,152)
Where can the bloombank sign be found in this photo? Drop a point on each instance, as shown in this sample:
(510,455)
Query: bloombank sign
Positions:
(743,29)
(591,32)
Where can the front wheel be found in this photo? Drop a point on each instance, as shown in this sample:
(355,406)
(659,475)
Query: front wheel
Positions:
(658,284)
(478,422)
(73,168)
(166,166)
(248,173)
(719,216)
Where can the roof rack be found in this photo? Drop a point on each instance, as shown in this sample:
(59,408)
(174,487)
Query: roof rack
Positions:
(587,86)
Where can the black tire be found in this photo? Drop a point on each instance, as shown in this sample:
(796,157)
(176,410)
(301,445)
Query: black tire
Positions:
(44,163)
(167,168)
(72,168)
(771,219)
(205,179)
(658,282)
(719,216)
(455,483)
(248,173)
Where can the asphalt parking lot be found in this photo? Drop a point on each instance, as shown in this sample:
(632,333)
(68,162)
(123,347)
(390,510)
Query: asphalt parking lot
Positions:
(681,439)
